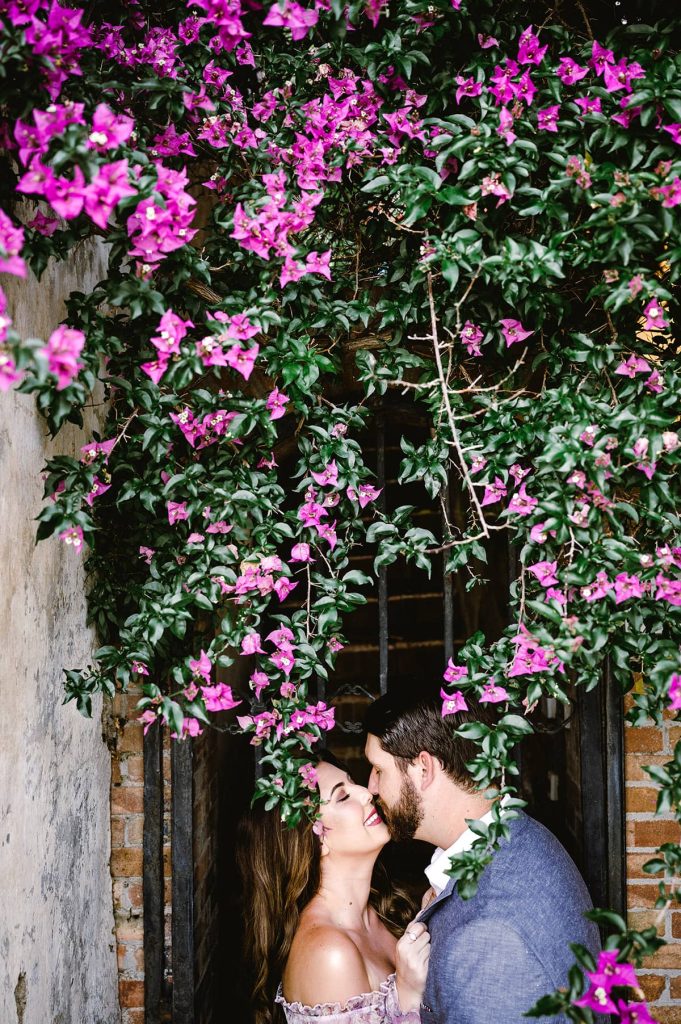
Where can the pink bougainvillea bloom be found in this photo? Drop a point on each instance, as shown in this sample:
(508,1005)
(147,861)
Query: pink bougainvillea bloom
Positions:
(201,666)
(62,350)
(219,698)
(319,263)
(654,317)
(478,463)
(588,435)
(334,645)
(494,492)
(311,513)
(668,590)
(72,537)
(492,185)
(655,382)
(610,972)
(243,360)
(177,511)
(300,20)
(492,694)
(597,998)
(327,531)
(258,682)
(140,668)
(453,673)
(547,119)
(529,50)
(588,105)
(674,692)
(283,587)
(545,572)
(522,503)
(513,331)
(301,553)
(452,702)
(147,554)
(467,87)
(284,660)
(505,129)
(308,773)
(364,494)
(633,365)
(98,487)
(627,587)
(598,589)
(538,533)
(471,336)
(276,404)
(674,130)
(11,241)
(486,42)
(9,375)
(109,130)
(251,644)
(155,369)
(281,637)
(328,477)
(569,72)
(670,194)
(633,1013)
(170,332)
(148,717)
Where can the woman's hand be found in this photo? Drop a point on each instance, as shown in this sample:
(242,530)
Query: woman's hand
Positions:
(411,965)
(428,897)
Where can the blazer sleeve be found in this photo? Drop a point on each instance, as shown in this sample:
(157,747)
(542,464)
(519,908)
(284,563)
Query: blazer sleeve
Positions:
(486,974)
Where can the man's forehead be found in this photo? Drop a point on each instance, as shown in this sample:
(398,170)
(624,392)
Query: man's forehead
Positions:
(373,748)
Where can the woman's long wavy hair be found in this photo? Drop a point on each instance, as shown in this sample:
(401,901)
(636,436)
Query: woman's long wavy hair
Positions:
(280,870)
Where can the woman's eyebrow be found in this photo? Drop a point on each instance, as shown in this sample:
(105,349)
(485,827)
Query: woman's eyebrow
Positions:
(343,783)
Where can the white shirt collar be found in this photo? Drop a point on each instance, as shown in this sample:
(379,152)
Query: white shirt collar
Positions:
(436,872)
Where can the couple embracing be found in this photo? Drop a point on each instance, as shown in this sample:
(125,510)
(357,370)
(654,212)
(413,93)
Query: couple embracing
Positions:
(326,936)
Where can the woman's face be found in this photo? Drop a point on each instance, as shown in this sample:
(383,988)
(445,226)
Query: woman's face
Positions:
(351,822)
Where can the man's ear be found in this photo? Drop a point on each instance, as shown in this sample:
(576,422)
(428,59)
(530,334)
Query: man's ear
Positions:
(427,769)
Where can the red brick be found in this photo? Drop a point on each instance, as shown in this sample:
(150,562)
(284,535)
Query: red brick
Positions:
(132,736)
(134,829)
(652,985)
(127,799)
(126,863)
(635,862)
(674,735)
(135,1016)
(117,830)
(135,768)
(641,799)
(131,992)
(675,987)
(666,958)
(130,929)
(641,919)
(676,923)
(643,739)
(642,896)
(653,833)
(667,1014)
(633,765)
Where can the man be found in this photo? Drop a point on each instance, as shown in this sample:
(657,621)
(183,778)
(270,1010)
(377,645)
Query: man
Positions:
(494,955)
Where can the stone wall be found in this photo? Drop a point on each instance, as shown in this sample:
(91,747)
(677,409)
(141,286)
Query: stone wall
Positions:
(57,962)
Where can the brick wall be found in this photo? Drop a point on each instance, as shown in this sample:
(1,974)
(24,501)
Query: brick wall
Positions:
(661,977)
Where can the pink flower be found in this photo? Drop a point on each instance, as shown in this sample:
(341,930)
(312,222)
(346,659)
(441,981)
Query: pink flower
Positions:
(319,263)
(98,487)
(569,72)
(633,1013)
(674,131)
(674,692)
(72,537)
(147,554)
(364,494)
(281,637)
(243,360)
(11,241)
(283,587)
(171,330)
(492,694)
(276,404)
(538,533)
(633,365)
(598,588)
(62,350)
(251,644)
(328,477)
(529,50)
(148,717)
(258,682)
(334,645)
(471,336)
(522,503)
(494,492)
(627,587)
(109,130)
(177,511)
(308,773)
(452,702)
(654,315)
(300,20)
(219,698)
(201,666)
(301,553)
(453,673)
(327,531)
(545,572)
(513,331)
(547,119)
(284,661)
(467,87)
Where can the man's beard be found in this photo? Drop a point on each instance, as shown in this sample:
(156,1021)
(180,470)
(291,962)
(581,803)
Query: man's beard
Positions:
(404,817)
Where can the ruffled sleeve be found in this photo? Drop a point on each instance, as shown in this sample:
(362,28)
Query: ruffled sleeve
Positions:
(379,1007)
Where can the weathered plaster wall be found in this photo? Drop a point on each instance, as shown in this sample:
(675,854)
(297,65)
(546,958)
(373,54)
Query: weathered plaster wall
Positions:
(57,949)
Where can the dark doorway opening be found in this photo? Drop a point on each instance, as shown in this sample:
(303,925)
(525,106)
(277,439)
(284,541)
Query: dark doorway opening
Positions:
(571,769)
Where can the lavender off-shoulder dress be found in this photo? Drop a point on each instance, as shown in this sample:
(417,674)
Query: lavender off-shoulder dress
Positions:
(380,1007)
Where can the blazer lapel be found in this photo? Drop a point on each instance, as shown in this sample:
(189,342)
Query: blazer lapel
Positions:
(423,915)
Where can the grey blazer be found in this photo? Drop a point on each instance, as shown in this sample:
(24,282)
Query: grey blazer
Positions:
(494,955)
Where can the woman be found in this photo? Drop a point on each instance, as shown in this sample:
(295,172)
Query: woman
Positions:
(317,933)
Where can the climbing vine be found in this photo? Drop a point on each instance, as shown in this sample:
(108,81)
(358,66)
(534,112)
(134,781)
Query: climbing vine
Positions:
(466,204)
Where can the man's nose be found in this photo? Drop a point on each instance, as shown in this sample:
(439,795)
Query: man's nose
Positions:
(371,784)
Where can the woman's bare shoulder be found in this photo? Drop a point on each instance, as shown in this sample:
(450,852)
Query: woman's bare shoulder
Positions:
(324,965)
